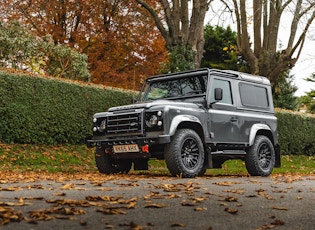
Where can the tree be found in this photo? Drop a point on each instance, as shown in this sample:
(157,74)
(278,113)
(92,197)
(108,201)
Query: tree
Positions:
(179,27)
(19,48)
(283,93)
(120,40)
(311,78)
(262,56)
(220,49)
(308,100)
(24,51)
(64,62)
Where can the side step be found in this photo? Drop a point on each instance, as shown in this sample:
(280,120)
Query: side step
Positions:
(214,160)
(229,152)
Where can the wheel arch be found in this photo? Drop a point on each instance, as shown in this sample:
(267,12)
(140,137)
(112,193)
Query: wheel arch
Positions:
(263,129)
(187,122)
(260,129)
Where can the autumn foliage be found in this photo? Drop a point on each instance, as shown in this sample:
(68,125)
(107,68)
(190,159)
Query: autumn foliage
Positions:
(119,37)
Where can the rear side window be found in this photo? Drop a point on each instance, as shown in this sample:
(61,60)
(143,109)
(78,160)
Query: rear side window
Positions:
(253,95)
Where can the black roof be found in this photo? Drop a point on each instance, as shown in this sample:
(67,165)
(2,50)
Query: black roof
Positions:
(224,73)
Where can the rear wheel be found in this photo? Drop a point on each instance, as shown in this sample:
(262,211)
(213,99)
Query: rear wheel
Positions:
(184,156)
(260,158)
(107,165)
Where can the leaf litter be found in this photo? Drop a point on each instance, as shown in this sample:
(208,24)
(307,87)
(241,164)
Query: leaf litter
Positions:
(67,209)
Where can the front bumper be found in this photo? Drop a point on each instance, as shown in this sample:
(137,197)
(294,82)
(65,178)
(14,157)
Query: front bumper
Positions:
(141,141)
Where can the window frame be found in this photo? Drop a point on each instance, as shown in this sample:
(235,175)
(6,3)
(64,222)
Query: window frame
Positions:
(243,94)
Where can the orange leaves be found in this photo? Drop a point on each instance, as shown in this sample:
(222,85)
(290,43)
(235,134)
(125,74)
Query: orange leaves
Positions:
(226,183)
(280,208)
(231,211)
(143,202)
(8,215)
(55,213)
(120,39)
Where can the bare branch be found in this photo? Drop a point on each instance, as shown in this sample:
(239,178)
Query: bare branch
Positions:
(302,37)
(294,24)
(156,19)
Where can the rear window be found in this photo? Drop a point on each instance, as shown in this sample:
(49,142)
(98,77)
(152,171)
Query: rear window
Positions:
(254,96)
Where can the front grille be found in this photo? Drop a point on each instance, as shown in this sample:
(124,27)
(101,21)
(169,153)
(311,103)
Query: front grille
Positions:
(125,123)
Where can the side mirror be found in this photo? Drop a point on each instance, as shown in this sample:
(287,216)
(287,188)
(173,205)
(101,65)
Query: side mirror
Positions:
(218,94)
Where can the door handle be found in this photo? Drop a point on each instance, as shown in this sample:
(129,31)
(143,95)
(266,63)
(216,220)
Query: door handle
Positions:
(234,119)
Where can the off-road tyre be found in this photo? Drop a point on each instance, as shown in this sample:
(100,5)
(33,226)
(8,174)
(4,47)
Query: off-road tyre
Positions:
(184,156)
(260,157)
(107,165)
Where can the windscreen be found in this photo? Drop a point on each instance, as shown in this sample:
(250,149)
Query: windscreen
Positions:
(176,87)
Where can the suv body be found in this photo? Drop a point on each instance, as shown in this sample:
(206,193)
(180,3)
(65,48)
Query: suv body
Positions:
(195,120)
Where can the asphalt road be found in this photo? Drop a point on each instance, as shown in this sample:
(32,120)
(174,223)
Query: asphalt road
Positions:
(94,201)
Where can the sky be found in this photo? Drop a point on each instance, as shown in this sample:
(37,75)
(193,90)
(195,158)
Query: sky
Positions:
(304,68)
(305,65)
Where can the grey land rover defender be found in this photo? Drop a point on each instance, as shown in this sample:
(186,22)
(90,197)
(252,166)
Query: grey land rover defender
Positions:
(195,120)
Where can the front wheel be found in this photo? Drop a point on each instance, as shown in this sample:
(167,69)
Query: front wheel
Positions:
(260,158)
(184,156)
(107,165)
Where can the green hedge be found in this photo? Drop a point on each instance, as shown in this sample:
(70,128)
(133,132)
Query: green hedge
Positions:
(39,110)
(296,132)
(48,111)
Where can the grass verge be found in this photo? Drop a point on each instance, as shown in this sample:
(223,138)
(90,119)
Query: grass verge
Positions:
(79,158)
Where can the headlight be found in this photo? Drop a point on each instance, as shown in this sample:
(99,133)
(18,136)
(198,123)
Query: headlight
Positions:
(102,126)
(154,120)
(98,125)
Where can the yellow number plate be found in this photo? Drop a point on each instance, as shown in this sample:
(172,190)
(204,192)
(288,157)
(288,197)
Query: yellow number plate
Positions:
(126,148)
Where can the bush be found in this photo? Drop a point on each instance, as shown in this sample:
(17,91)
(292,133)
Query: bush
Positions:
(296,132)
(22,50)
(37,110)
(45,111)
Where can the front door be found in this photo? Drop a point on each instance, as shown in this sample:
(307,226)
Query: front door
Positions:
(223,118)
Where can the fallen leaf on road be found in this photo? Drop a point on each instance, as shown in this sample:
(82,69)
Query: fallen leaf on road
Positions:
(8,215)
(230,199)
(261,192)
(131,184)
(104,189)
(112,211)
(154,205)
(200,209)
(178,225)
(251,196)
(11,189)
(280,208)
(103,198)
(188,203)
(157,195)
(60,194)
(67,186)
(231,211)
(14,203)
(226,183)
(277,222)
(237,191)
(30,198)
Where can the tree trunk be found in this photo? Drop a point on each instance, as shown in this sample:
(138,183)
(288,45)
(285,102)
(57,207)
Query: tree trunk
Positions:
(263,57)
(177,28)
